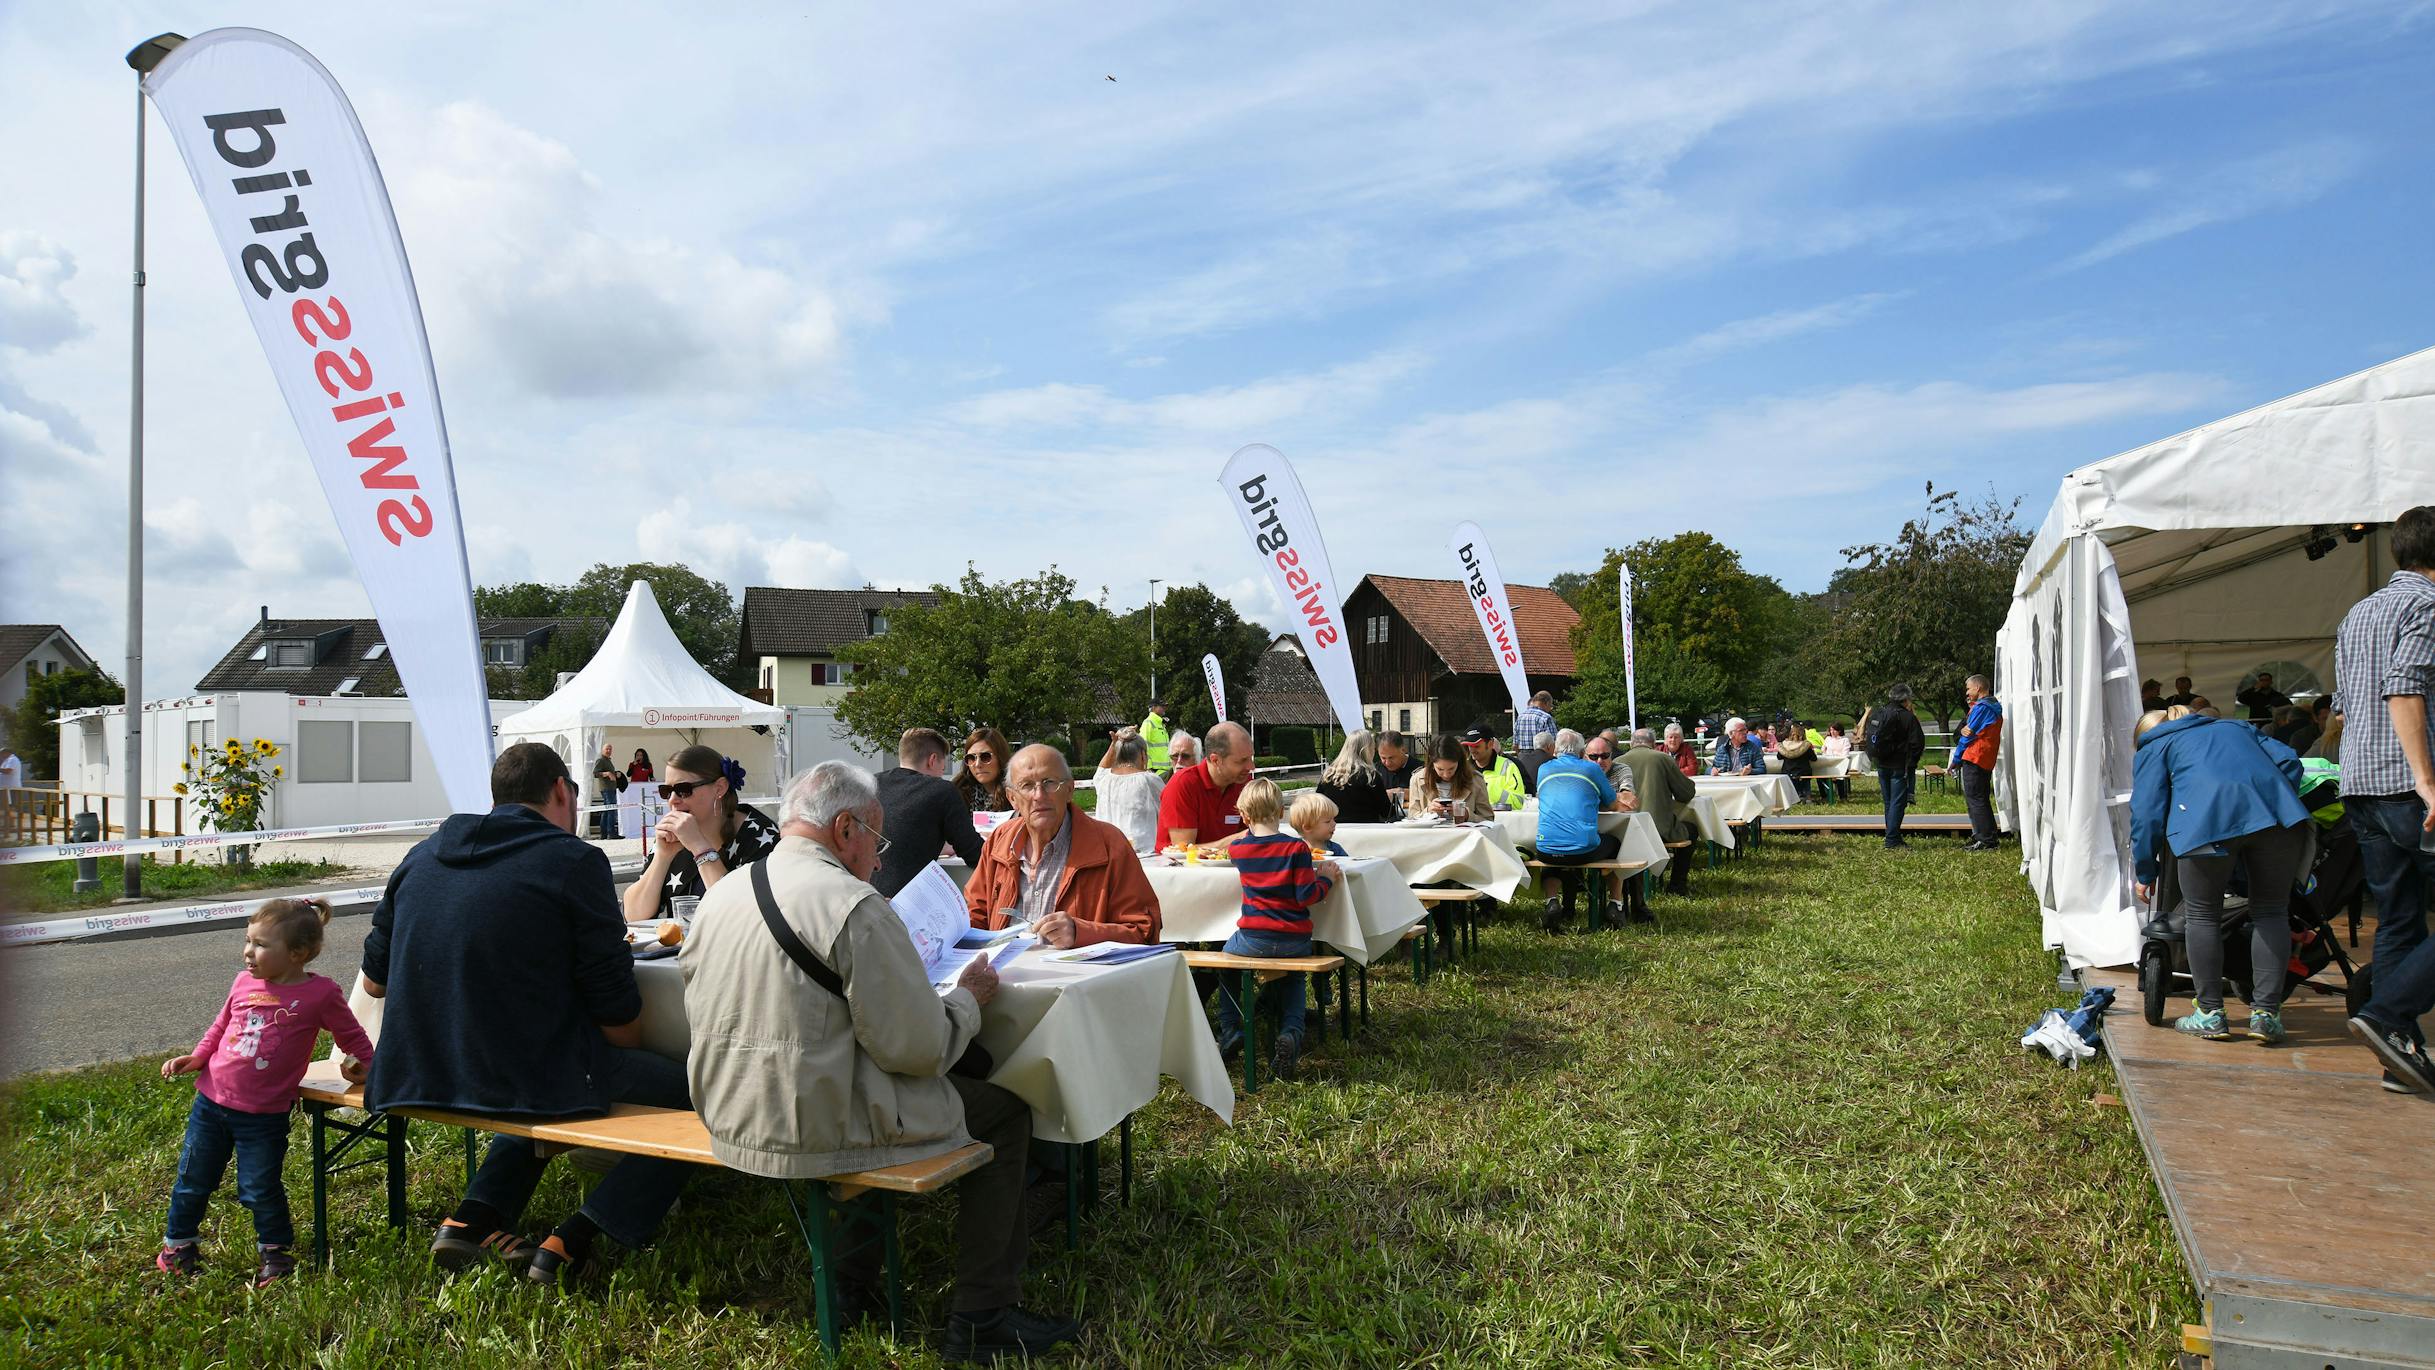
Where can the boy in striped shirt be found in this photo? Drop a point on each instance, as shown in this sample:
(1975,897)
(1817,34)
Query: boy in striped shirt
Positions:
(1280,884)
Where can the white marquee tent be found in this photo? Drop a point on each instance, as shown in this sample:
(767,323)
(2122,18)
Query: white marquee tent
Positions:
(2230,549)
(642,689)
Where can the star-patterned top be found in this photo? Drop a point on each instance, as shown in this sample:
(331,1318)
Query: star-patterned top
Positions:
(755,838)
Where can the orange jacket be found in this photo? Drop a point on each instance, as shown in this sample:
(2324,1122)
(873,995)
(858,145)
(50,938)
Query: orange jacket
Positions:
(1103,889)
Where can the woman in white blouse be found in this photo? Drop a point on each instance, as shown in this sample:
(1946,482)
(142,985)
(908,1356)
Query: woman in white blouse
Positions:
(1128,790)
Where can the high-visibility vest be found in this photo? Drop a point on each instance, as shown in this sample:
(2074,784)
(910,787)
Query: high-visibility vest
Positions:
(1154,732)
(1505,784)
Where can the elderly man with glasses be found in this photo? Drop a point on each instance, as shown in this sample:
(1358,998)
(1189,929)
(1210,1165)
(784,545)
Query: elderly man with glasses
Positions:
(1072,877)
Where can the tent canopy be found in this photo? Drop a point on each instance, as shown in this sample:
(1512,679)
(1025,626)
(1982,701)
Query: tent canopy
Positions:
(2190,556)
(641,685)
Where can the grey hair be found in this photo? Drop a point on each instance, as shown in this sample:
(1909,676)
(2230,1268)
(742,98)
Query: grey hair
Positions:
(1568,742)
(1899,694)
(1672,730)
(818,795)
(1180,738)
(1733,723)
(1642,737)
(1131,750)
(1549,741)
(1982,682)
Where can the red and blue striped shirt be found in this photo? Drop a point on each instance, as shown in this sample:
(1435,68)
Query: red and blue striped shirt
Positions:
(1279,882)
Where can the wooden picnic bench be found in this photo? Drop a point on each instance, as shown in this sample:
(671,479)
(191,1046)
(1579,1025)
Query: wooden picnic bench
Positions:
(1570,878)
(838,1215)
(1256,969)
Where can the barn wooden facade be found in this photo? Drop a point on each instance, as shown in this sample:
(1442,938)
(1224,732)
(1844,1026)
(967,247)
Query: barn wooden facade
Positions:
(1424,667)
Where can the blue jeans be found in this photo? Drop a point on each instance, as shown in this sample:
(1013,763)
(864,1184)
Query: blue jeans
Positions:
(630,1200)
(2400,876)
(259,1141)
(1295,987)
(1897,786)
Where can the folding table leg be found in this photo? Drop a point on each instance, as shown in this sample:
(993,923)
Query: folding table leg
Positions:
(470,1165)
(321,1185)
(1250,1000)
(397,1170)
(1365,996)
(1073,1194)
(1124,1161)
(893,1258)
(811,1212)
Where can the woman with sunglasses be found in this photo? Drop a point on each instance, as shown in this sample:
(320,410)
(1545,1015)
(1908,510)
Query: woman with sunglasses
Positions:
(982,781)
(706,835)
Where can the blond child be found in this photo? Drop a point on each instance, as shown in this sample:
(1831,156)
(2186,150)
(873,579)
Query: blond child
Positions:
(1314,817)
(251,1062)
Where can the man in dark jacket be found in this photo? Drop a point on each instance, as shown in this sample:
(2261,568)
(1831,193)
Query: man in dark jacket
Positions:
(1896,744)
(501,955)
(924,812)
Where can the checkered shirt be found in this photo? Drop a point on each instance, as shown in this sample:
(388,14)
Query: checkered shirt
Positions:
(2386,647)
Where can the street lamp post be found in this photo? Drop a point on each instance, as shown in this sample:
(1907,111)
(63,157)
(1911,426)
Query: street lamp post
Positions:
(143,58)
(1154,639)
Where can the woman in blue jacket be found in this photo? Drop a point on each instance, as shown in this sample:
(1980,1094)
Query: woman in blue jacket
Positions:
(2219,794)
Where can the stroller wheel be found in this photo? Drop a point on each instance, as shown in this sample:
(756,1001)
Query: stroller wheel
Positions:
(2155,980)
(2357,988)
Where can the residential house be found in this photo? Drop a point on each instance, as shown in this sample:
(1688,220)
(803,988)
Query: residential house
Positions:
(1285,692)
(1423,665)
(29,651)
(350,656)
(790,638)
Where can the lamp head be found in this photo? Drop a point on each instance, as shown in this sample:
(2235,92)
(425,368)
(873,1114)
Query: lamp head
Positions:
(146,55)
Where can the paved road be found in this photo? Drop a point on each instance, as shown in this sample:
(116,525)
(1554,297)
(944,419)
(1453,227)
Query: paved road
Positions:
(77,1003)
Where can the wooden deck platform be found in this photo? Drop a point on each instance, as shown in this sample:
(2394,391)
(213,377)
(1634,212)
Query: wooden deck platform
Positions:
(2302,1192)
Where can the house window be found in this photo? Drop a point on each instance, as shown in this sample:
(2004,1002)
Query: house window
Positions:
(1403,720)
(50,668)
(347,686)
(387,753)
(325,752)
(379,650)
(878,622)
(766,673)
(503,651)
(1375,631)
(820,673)
(31,675)
(291,656)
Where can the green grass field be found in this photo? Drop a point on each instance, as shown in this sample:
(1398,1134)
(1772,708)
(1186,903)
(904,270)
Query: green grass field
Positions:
(1790,1129)
(27,891)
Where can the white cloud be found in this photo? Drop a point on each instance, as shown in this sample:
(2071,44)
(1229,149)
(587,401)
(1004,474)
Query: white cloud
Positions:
(731,552)
(2253,185)
(1776,327)
(35,315)
(1234,409)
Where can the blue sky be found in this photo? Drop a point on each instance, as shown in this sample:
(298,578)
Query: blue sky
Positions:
(824,298)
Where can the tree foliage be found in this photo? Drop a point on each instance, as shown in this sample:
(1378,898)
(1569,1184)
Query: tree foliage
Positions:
(1706,632)
(704,616)
(1196,621)
(1924,607)
(1023,656)
(34,726)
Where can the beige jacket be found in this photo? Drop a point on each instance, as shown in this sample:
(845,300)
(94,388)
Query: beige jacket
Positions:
(792,1081)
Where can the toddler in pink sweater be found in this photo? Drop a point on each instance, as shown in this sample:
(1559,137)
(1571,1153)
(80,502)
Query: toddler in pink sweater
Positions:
(252,1061)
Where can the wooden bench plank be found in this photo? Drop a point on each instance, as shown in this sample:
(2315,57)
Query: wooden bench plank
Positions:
(1449,896)
(1281,965)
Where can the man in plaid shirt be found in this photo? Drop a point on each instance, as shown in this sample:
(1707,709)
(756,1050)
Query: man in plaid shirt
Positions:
(1533,719)
(2384,672)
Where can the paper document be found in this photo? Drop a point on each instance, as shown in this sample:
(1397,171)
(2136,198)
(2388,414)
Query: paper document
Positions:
(1113,953)
(951,968)
(932,910)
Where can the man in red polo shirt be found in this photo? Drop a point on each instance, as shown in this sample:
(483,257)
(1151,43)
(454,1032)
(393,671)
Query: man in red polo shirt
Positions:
(1198,804)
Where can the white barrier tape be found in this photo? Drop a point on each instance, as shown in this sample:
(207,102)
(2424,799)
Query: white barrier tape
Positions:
(71,851)
(101,922)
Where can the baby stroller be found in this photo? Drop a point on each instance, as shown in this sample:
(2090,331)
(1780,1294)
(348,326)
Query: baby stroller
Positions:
(2324,890)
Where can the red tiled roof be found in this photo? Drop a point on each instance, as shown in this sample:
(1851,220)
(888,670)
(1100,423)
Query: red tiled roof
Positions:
(1440,611)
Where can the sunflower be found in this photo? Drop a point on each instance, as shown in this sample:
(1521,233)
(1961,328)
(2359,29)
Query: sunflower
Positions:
(278,771)
(177,789)
(192,750)
(186,767)
(262,745)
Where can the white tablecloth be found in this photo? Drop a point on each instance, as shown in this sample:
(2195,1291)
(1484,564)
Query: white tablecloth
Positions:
(1710,823)
(1363,917)
(1638,832)
(1084,1045)
(1740,798)
(1821,767)
(1478,856)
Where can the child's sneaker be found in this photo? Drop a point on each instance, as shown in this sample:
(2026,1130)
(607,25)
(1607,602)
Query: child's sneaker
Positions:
(277,1264)
(1230,1046)
(2266,1025)
(186,1261)
(2208,1023)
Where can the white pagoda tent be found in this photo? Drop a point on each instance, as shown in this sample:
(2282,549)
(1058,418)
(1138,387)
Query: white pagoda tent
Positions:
(2230,549)
(643,689)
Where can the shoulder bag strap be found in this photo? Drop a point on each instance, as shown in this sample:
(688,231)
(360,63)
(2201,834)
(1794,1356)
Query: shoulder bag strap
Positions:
(803,956)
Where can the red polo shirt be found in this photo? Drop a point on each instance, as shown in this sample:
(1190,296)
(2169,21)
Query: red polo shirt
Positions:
(1192,800)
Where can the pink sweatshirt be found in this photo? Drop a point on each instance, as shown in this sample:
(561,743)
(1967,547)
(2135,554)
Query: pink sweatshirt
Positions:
(255,1052)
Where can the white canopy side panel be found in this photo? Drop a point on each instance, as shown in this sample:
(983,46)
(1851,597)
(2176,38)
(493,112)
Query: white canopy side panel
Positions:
(642,677)
(2072,693)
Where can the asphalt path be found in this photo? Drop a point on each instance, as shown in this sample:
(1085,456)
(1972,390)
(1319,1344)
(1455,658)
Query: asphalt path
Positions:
(80,1003)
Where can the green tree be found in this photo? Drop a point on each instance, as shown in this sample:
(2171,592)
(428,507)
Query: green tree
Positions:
(1707,632)
(1195,621)
(524,599)
(1023,656)
(1924,607)
(34,726)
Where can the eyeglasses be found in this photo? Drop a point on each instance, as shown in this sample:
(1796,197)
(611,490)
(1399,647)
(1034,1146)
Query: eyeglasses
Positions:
(1601,756)
(976,758)
(879,842)
(682,789)
(1036,787)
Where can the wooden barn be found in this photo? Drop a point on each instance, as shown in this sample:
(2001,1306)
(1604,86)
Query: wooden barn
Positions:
(1423,666)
